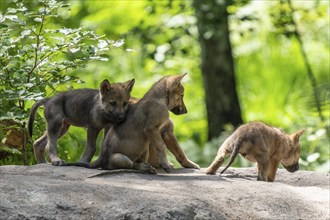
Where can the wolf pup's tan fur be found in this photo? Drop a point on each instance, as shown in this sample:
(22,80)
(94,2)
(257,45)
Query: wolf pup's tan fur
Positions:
(258,142)
(90,108)
(158,156)
(126,145)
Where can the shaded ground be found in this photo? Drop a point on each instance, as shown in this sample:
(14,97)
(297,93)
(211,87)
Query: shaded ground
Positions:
(48,192)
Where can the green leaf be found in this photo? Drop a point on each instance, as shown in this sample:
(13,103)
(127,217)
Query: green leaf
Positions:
(65,5)
(3,25)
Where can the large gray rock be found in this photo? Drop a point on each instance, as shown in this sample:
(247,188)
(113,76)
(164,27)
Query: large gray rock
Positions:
(48,192)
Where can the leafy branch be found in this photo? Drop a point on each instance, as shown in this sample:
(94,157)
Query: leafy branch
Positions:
(35,56)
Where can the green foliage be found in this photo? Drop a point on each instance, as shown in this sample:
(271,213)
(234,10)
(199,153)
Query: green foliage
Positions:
(37,55)
(273,82)
(34,55)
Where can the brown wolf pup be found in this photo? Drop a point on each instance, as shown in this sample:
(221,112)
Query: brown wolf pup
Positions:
(157,154)
(126,145)
(258,142)
(90,108)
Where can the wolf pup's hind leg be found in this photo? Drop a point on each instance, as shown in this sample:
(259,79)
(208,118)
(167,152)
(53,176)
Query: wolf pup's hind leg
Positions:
(54,128)
(40,144)
(39,148)
(218,161)
(121,161)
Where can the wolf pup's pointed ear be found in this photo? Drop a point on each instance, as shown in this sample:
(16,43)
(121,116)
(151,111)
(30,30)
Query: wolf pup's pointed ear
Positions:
(180,77)
(129,85)
(295,136)
(105,86)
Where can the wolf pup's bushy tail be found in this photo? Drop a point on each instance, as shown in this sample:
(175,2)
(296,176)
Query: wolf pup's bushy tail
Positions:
(233,155)
(33,112)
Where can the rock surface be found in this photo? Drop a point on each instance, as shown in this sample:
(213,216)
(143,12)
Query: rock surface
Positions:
(48,192)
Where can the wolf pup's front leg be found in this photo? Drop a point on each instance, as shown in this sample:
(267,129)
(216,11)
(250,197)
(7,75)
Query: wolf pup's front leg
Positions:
(174,147)
(157,154)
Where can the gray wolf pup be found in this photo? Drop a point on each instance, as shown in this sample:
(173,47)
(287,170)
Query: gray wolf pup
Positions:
(90,108)
(258,142)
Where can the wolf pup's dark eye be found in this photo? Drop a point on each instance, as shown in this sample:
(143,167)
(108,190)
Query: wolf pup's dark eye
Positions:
(113,104)
(125,103)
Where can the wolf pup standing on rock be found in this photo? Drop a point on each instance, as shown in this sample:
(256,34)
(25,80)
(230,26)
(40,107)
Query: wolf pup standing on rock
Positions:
(126,145)
(258,142)
(91,108)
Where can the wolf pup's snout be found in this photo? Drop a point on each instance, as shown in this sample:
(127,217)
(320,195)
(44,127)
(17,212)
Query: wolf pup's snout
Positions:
(175,92)
(121,117)
(179,110)
(293,168)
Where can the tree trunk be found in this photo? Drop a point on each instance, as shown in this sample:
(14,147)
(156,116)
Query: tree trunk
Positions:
(217,66)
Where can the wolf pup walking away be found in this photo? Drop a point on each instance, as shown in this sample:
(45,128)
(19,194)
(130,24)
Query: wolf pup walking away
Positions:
(258,142)
(90,108)
(126,145)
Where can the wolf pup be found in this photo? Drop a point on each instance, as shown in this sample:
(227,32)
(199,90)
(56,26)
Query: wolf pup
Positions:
(157,154)
(126,145)
(90,108)
(258,142)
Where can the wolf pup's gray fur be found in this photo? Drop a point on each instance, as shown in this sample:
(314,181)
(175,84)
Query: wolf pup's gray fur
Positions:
(90,108)
(126,145)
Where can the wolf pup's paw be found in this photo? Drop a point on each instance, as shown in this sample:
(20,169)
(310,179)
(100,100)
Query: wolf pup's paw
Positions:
(261,178)
(189,164)
(58,163)
(167,167)
(83,163)
(145,167)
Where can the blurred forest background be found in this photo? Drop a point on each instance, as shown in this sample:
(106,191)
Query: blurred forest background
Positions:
(247,60)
